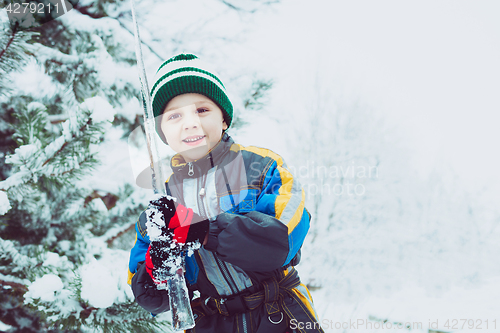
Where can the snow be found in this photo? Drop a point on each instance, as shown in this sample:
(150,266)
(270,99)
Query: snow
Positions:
(155,222)
(104,281)
(16,179)
(23,153)
(4,327)
(98,205)
(11,278)
(99,282)
(101,109)
(45,288)
(54,260)
(4,203)
(116,165)
(64,245)
(415,304)
(130,109)
(44,87)
(49,289)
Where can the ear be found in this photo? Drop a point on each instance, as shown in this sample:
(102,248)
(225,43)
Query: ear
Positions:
(224,125)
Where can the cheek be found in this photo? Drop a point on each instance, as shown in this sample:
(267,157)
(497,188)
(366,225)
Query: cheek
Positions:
(164,129)
(214,124)
(168,132)
(213,128)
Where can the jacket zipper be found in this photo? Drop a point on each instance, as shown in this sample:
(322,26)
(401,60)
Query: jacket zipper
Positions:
(222,266)
(203,212)
(201,194)
(244,322)
(191,171)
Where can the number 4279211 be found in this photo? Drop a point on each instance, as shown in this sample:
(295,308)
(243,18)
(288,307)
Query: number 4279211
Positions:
(31,7)
(476,324)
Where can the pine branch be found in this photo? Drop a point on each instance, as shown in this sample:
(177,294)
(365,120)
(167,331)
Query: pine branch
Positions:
(48,54)
(66,143)
(160,57)
(246,10)
(11,39)
(87,160)
(10,254)
(85,11)
(16,50)
(109,320)
(230,5)
(20,266)
(14,285)
(260,90)
(121,233)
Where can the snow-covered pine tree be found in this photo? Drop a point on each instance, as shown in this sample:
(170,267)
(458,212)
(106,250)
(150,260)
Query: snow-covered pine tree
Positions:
(54,226)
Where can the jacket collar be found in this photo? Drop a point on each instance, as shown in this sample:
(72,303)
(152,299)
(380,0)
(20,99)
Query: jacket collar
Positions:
(214,157)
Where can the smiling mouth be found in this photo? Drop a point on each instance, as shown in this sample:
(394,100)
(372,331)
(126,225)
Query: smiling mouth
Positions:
(194,139)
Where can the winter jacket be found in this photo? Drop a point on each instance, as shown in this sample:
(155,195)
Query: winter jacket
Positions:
(245,271)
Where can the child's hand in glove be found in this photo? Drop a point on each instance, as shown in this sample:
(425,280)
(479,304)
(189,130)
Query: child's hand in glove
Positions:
(172,228)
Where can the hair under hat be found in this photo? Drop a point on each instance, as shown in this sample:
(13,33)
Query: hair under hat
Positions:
(186,73)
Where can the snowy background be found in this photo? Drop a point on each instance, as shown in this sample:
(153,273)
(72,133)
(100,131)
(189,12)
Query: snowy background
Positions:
(386,111)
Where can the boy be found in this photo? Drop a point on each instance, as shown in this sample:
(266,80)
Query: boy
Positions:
(240,203)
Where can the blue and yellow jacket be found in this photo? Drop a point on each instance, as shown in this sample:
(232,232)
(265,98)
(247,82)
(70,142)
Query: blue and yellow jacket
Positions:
(258,221)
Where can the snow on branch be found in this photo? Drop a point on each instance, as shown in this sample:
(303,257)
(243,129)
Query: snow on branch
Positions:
(14,49)
(9,253)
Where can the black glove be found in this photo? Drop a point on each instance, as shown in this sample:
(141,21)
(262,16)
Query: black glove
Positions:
(146,294)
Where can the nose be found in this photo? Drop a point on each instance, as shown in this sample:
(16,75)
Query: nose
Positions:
(191,119)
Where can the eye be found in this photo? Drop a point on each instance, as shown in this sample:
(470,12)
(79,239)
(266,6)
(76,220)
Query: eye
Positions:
(202,110)
(173,116)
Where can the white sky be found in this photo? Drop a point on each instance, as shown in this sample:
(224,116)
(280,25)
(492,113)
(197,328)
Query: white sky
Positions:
(432,66)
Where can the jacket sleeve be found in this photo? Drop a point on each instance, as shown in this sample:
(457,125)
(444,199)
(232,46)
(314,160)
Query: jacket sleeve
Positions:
(145,292)
(138,252)
(270,236)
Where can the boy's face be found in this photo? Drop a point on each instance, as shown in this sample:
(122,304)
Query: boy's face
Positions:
(192,124)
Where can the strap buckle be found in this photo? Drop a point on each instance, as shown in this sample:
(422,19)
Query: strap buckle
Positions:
(205,305)
(234,304)
(275,322)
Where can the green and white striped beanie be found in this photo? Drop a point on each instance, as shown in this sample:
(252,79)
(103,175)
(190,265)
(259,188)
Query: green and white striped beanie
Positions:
(186,73)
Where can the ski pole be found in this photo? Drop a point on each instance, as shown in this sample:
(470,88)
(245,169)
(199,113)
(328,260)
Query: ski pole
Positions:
(182,314)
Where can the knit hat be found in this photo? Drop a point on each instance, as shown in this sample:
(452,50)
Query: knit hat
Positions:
(186,73)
